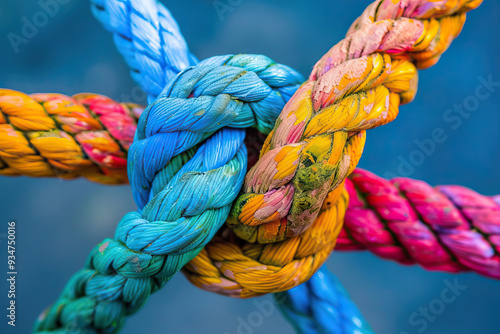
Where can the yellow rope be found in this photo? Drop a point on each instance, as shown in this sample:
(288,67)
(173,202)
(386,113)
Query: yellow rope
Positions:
(316,142)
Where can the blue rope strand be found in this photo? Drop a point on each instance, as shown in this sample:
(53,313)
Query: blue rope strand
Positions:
(148,38)
(322,306)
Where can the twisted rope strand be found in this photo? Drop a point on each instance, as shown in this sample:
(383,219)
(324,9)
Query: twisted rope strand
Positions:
(149,39)
(56,135)
(310,152)
(355,86)
(321,305)
(447,228)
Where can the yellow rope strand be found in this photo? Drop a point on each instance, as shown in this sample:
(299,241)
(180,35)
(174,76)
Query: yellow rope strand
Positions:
(316,142)
(53,135)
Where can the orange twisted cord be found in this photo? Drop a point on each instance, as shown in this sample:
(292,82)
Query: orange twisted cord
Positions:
(54,135)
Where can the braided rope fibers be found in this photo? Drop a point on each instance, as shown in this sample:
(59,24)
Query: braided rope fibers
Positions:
(367,226)
(305,157)
(447,228)
(317,142)
(60,136)
(321,305)
(148,38)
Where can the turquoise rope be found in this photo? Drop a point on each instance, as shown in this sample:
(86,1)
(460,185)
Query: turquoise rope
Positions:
(185,168)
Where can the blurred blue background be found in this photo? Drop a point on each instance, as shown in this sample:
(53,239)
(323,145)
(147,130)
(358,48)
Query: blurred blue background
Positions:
(60,221)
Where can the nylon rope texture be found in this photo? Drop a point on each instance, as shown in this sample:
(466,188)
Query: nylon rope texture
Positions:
(149,39)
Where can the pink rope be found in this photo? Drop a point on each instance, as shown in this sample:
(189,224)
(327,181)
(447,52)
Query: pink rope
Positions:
(447,228)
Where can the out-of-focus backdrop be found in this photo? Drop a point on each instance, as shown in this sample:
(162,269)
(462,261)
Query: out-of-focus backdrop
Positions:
(58,222)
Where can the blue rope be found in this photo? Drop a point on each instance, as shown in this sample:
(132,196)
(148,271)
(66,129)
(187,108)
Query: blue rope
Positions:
(322,306)
(149,39)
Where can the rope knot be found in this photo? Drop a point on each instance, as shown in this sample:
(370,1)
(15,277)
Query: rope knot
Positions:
(226,91)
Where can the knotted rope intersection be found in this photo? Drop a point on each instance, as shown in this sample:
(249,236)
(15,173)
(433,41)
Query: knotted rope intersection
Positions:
(316,143)
(357,85)
(366,226)
(172,226)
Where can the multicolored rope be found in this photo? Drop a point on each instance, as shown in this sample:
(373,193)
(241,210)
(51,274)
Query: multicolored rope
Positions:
(437,235)
(185,165)
(316,143)
(354,87)
(87,135)
(227,91)
(439,36)
(184,184)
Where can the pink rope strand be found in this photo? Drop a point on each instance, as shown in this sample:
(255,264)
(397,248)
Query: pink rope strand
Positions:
(446,228)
